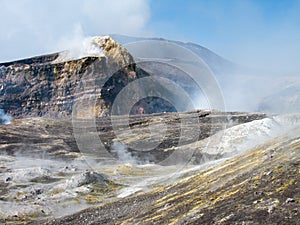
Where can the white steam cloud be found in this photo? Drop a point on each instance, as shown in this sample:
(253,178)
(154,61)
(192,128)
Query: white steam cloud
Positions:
(122,153)
(5,118)
(32,27)
(80,47)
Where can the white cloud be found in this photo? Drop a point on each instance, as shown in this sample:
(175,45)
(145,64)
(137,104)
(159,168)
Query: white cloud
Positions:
(30,27)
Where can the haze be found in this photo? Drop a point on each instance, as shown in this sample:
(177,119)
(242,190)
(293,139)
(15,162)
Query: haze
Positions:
(260,34)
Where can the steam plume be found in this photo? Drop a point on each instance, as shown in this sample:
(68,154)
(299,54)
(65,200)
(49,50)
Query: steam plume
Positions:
(5,118)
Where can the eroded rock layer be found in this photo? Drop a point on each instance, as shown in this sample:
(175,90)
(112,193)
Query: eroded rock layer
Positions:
(49,85)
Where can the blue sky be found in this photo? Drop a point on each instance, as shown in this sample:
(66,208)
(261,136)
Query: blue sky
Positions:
(263,33)
(254,32)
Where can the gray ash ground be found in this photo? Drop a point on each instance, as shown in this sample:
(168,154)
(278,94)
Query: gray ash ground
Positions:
(45,176)
(249,189)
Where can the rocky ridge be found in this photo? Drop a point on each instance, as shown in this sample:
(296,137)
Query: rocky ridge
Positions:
(49,85)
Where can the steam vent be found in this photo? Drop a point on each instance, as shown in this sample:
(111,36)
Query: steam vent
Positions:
(76,148)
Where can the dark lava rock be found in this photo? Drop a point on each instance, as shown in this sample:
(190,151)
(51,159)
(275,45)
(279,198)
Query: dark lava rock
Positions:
(59,138)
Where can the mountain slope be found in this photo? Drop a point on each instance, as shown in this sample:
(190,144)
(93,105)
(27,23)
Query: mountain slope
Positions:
(50,85)
(192,167)
(243,88)
(216,63)
(259,185)
(53,78)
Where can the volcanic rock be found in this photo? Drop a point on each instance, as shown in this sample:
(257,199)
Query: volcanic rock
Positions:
(50,85)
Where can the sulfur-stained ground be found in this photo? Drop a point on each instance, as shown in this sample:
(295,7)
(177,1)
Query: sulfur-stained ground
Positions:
(259,186)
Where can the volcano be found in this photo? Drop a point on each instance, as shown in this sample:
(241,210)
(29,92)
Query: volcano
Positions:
(112,133)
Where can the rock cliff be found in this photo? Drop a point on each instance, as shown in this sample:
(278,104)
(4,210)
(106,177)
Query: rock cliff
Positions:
(49,85)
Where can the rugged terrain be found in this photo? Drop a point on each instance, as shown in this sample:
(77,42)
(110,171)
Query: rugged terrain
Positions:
(261,185)
(50,85)
(42,86)
(44,174)
(54,138)
(70,154)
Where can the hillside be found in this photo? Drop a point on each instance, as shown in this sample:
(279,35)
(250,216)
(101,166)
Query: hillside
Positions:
(243,88)
(218,64)
(261,185)
(141,135)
